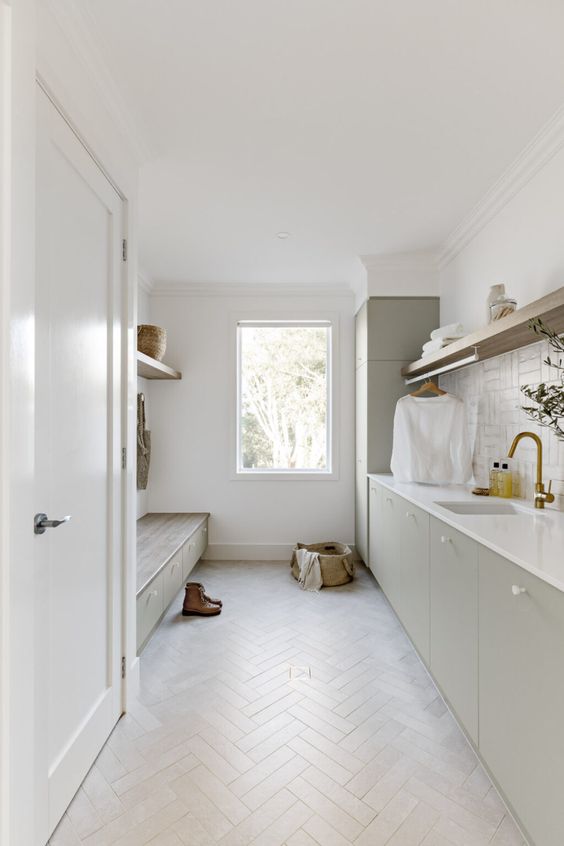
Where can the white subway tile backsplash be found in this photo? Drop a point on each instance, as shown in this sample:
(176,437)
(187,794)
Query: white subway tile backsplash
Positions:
(491,392)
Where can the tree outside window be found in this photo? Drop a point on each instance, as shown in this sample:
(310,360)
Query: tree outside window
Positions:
(283,396)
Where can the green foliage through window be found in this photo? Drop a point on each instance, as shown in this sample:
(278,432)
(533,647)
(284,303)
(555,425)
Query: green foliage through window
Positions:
(283,383)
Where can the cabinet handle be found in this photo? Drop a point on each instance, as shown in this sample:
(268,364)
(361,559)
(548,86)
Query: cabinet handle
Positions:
(388,499)
(409,514)
(444,539)
(174,565)
(204,530)
(517,590)
(152,593)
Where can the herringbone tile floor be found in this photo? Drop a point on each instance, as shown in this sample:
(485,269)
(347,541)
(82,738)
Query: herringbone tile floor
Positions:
(223,747)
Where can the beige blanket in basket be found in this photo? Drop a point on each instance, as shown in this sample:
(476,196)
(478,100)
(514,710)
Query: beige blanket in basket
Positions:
(310,570)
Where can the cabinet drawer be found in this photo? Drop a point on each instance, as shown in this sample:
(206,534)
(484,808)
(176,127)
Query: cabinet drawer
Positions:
(188,558)
(522,693)
(201,541)
(193,549)
(150,606)
(172,578)
(454,621)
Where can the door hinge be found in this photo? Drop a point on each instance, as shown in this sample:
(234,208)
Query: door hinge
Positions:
(124,249)
(123,667)
(124,458)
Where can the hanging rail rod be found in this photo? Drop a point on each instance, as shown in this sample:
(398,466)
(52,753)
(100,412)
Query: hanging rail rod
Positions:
(454,365)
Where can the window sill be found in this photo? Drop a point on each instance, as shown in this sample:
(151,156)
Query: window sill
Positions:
(284,476)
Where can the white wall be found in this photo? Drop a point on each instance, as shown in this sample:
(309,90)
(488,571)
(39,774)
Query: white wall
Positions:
(412,274)
(522,246)
(191,419)
(144,387)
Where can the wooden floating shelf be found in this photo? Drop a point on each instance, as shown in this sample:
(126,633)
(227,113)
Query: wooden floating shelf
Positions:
(502,336)
(150,368)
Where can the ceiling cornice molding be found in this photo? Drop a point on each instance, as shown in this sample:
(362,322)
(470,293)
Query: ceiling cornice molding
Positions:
(80,30)
(535,156)
(235,289)
(415,260)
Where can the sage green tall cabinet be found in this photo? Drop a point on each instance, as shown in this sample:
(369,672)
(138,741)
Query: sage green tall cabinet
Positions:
(390,332)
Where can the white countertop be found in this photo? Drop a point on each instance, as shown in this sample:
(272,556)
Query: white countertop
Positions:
(532,538)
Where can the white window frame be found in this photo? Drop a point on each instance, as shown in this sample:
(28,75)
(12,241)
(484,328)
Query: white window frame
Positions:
(330,320)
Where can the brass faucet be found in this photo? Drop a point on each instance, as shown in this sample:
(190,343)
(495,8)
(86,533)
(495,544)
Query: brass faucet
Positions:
(541,496)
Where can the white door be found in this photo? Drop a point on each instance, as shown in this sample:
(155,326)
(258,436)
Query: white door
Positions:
(78,458)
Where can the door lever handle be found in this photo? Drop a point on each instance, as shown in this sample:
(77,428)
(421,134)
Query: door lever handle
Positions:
(40,523)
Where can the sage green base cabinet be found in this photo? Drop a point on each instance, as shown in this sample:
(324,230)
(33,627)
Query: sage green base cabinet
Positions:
(413,600)
(454,621)
(492,636)
(522,693)
(361,511)
(399,559)
(384,540)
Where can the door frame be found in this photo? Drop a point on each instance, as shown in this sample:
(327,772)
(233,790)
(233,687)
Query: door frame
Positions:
(28,52)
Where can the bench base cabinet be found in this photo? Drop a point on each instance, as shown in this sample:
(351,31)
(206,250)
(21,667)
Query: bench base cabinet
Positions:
(172,578)
(492,636)
(154,599)
(150,607)
(522,693)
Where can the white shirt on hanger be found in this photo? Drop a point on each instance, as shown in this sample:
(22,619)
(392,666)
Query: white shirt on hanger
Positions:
(431,441)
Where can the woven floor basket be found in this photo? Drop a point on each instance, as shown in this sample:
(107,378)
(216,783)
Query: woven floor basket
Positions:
(151,340)
(336,559)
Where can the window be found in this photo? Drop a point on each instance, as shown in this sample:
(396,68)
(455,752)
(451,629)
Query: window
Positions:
(284,397)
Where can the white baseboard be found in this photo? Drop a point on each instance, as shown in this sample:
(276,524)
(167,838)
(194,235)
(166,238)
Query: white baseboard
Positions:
(253,552)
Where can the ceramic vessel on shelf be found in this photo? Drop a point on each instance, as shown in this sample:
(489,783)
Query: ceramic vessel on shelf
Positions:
(501,307)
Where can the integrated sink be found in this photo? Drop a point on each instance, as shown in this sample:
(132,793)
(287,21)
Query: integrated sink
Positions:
(479,507)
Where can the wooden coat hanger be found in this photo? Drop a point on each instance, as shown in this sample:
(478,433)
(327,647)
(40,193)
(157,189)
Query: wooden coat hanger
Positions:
(428,387)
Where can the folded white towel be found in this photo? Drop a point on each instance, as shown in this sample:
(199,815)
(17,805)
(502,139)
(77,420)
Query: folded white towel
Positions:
(452,330)
(310,577)
(434,346)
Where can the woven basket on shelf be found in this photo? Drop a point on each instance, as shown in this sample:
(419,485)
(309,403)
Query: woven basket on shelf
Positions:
(336,560)
(151,340)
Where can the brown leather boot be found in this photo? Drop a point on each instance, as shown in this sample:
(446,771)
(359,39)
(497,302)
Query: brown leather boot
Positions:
(196,604)
(200,585)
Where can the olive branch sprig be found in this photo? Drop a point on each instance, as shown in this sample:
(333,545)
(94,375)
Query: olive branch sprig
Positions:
(549,399)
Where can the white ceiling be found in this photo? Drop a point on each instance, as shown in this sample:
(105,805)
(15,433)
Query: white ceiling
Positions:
(358,126)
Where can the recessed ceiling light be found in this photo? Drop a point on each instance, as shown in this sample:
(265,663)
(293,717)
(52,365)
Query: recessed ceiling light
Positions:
(282,235)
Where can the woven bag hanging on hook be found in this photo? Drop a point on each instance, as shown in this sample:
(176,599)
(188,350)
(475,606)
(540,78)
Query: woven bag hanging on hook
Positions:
(143,445)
